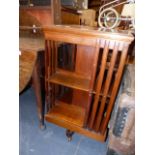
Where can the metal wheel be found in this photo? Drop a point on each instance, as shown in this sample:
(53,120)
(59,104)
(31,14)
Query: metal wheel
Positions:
(108,18)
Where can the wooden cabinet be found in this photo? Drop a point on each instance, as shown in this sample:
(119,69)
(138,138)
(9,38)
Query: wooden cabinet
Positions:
(80,97)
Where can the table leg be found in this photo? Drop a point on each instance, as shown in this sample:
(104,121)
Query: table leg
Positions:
(39,93)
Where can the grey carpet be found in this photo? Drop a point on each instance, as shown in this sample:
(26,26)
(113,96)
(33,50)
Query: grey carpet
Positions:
(51,141)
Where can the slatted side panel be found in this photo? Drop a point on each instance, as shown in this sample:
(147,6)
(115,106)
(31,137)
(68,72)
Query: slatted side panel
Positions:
(117,80)
(50,68)
(98,88)
(106,86)
(107,83)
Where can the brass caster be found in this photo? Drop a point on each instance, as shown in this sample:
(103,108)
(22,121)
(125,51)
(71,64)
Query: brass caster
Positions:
(69,135)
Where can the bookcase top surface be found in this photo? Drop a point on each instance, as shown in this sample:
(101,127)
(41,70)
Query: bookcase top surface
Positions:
(120,35)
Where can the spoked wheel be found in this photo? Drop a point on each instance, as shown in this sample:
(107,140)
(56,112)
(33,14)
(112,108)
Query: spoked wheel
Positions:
(108,18)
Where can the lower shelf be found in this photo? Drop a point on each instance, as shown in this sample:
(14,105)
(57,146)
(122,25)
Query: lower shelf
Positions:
(71,117)
(68,113)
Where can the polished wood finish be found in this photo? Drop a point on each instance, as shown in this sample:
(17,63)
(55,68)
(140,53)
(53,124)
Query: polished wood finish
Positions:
(93,82)
(27,62)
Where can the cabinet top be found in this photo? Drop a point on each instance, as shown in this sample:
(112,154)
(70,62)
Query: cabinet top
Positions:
(91,32)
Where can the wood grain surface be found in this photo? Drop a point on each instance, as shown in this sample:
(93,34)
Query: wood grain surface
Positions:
(29,46)
(26,64)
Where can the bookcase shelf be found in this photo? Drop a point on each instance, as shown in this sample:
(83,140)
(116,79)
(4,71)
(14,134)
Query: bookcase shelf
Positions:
(67,113)
(70,80)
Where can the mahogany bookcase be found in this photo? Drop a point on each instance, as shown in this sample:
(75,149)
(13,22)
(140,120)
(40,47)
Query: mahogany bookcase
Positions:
(80,95)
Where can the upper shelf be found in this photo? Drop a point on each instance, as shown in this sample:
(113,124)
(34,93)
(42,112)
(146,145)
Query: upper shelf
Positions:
(71,80)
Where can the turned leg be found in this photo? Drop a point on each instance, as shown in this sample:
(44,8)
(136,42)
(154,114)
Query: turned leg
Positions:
(69,134)
(39,93)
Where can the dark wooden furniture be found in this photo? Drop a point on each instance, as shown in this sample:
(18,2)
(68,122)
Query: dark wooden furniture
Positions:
(92,81)
(30,67)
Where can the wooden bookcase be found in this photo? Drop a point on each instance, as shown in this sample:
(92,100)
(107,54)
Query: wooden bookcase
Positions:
(80,95)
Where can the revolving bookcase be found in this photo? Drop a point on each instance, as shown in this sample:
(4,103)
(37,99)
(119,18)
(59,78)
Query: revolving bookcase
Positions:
(83,69)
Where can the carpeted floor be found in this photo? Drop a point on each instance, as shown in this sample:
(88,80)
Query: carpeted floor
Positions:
(51,141)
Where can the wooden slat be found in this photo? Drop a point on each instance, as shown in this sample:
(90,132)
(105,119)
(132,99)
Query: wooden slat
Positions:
(99,84)
(47,53)
(53,66)
(115,88)
(94,68)
(55,48)
(52,58)
(56,55)
(107,85)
